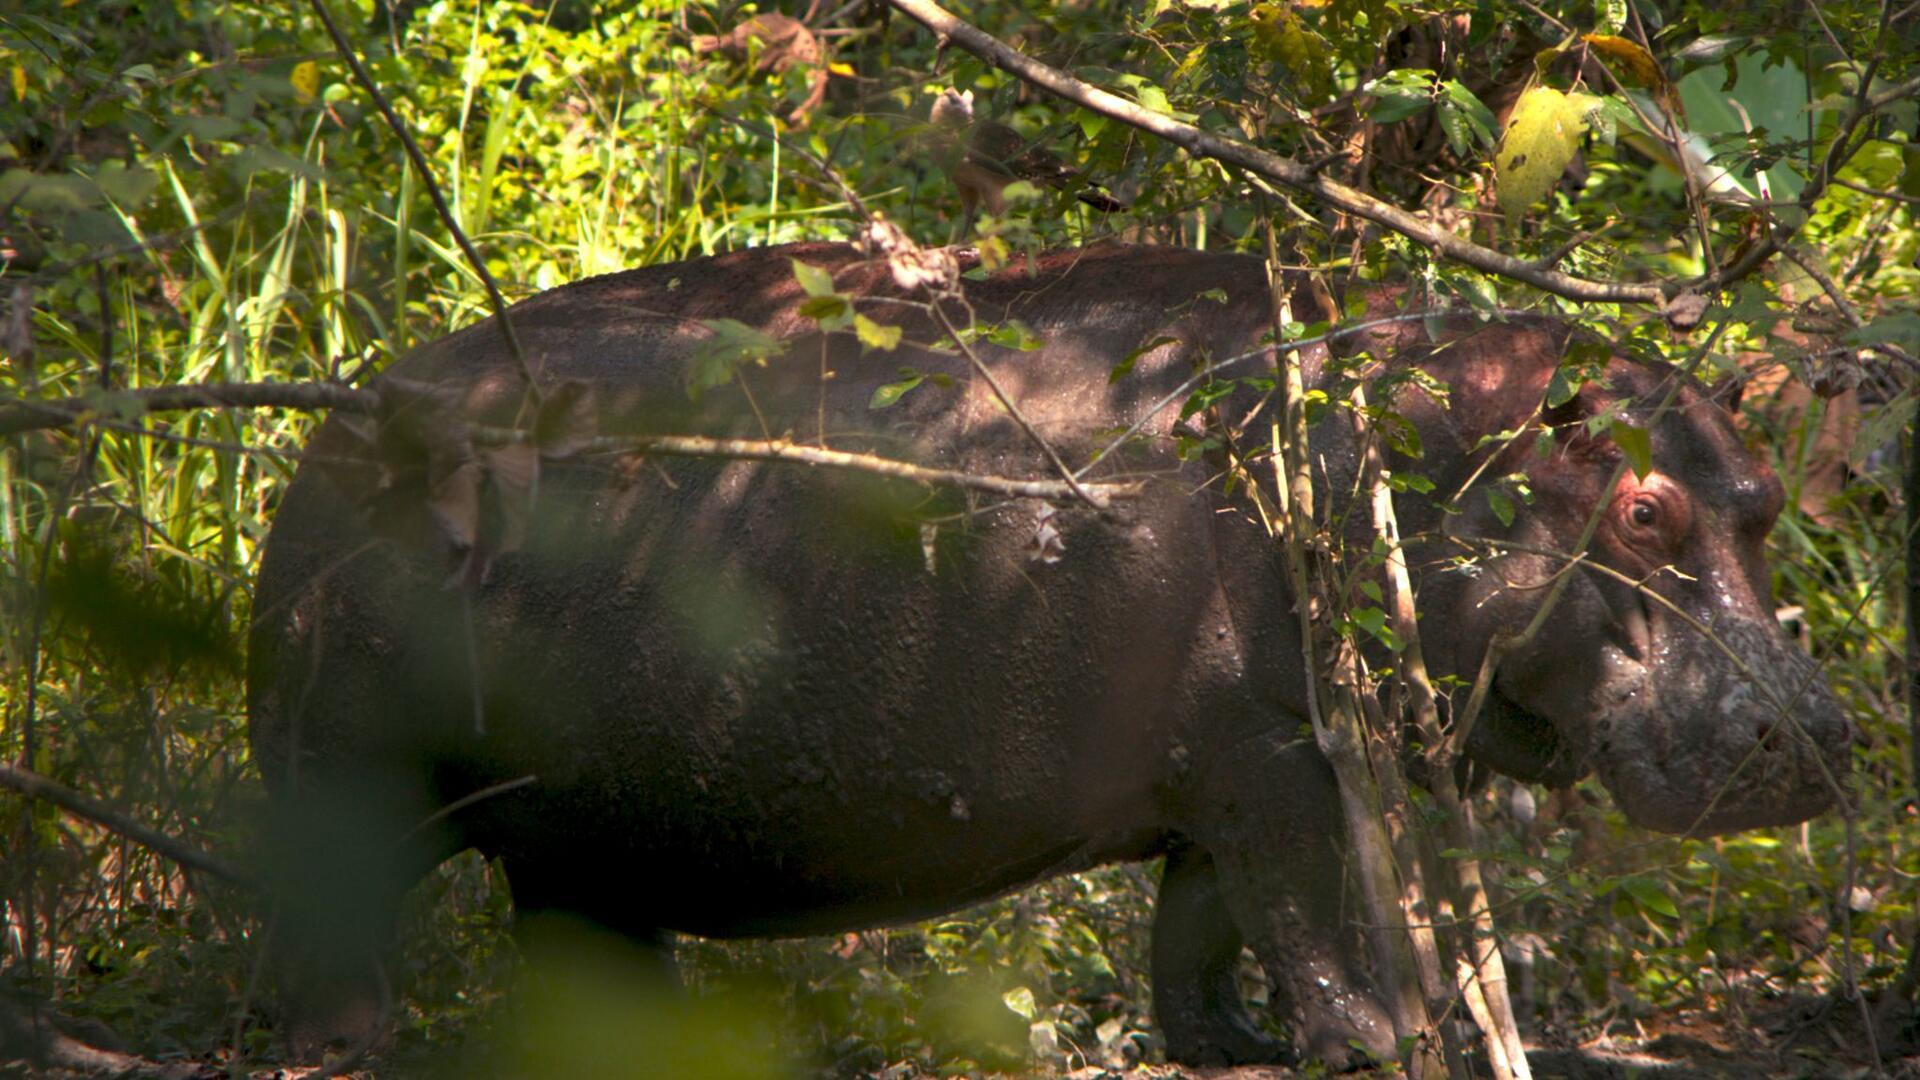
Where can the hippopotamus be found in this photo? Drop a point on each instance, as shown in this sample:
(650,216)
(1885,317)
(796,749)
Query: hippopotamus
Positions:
(758,698)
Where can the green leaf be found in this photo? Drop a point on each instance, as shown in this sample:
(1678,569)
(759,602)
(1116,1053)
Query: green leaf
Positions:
(1014,334)
(890,394)
(1881,425)
(733,343)
(1400,94)
(1636,444)
(1374,622)
(875,335)
(1650,896)
(1125,367)
(1888,329)
(1501,506)
(1709,49)
(816,281)
(1564,386)
(1461,109)
(1206,396)
(829,311)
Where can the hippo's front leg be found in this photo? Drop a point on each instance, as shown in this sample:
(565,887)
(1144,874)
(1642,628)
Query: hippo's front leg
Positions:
(1272,825)
(1196,970)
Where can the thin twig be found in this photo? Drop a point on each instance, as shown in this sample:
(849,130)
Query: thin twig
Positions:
(495,300)
(465,801)
(64,412)
(1079,490)
(1876,193)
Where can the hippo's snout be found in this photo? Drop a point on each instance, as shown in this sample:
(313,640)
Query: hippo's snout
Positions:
(1735,731)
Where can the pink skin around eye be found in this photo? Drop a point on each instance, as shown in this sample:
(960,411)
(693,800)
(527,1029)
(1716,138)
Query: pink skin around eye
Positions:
(1650,515)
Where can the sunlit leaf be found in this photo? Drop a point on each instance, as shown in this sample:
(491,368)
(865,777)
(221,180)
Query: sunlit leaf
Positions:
(889,394)
(305,79)
(1637,444)
(1541,137)
(875,335)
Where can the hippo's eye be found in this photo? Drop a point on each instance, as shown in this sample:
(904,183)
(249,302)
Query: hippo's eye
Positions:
(1644,513)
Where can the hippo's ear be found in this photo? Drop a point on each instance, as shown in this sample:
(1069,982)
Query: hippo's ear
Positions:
(1571,432)
(1574,410)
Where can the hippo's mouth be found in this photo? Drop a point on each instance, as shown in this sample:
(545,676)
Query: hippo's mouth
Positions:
(1520,743)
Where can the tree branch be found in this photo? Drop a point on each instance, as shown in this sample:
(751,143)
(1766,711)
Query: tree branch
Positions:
(1274,167)
(21,416)
(25,415)
(35,786)
(1097,495)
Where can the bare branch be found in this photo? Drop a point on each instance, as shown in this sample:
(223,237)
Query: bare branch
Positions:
(1099,495)
(24,415)
(35,786)
(1895,196)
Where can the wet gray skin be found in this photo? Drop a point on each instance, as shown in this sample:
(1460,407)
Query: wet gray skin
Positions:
(770,700)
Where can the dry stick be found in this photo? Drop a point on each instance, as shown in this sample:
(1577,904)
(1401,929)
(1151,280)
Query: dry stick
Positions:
(64,412)
(1494,1013)
(1097,495)
(1384,745)
(35,786)
(494,298)
(25,415)
(1274,167)
(1336,718)
(1904,987)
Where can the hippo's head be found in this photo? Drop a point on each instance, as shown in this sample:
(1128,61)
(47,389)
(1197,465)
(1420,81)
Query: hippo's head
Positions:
(1662,666)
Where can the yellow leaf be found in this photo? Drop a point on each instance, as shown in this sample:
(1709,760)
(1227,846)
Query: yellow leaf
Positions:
(306,81)
(19,83)
(1279,35)
(841,68)
(1637,65)
(1541,137)
(1634,60)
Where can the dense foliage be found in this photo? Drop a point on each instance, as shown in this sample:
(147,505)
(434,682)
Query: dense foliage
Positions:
(194,191)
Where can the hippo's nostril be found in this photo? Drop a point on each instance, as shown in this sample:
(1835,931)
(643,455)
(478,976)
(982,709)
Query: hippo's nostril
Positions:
(1763,733)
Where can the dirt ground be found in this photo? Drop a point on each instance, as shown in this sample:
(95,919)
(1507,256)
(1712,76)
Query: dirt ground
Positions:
(1794,1036)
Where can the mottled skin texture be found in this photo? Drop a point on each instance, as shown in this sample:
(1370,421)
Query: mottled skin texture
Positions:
(758,702)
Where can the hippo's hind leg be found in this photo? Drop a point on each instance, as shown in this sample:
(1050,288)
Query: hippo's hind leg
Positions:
(546,896)
(1271,821)
(1196,962)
